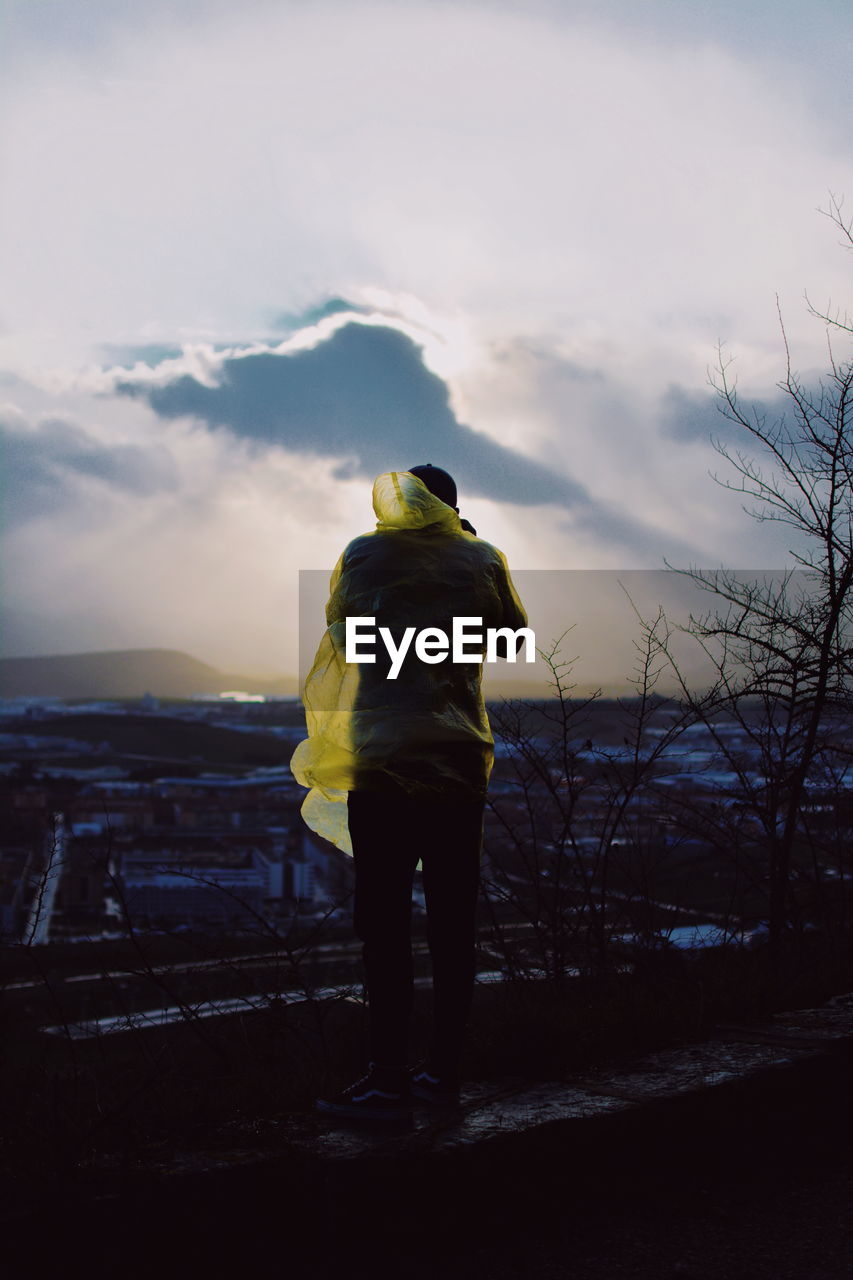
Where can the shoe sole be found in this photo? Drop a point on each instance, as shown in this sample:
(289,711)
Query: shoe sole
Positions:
(436,1099)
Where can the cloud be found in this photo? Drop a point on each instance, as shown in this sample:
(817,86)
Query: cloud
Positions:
(524,167)
(648,498)
(210,566)
(555,183)
(133,352)
(365,396)
(291,321)
(694,416)
(43,463)
(690,416)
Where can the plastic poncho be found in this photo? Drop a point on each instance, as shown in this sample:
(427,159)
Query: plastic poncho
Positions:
(427,730)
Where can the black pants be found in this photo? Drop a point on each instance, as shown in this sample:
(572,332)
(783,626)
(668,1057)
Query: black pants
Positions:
(390,832)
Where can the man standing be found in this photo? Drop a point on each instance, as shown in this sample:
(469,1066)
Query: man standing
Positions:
(406,742)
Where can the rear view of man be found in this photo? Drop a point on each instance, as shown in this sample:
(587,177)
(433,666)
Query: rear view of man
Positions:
(408,745)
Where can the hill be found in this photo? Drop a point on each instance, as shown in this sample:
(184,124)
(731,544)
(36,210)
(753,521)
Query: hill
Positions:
(126,673)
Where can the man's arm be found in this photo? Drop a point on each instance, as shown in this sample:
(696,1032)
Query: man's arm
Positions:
(513,614)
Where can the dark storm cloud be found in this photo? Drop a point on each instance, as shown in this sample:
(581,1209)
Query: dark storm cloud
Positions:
(290,321)
(696,415)
(39,463)
(692,415)
(363,394)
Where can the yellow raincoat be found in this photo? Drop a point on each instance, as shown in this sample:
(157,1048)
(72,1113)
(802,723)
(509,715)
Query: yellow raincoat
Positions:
(427,730)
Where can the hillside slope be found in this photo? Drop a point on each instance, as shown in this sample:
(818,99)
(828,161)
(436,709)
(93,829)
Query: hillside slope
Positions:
(126,673)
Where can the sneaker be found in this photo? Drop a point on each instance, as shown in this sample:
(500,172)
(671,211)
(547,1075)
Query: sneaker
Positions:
(433,1087)
(383,1094)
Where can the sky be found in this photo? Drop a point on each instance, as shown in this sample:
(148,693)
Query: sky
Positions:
(254,255)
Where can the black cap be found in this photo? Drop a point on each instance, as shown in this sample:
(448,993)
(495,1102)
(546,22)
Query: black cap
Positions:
(437,481)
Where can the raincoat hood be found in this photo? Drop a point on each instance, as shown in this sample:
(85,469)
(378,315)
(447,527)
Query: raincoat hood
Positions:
(402,501)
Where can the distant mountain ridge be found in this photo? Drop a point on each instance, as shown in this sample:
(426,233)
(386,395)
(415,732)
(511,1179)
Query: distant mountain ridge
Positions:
(127,673)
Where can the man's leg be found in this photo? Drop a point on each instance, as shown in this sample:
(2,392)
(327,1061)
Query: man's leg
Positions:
(385,861)
(451,871)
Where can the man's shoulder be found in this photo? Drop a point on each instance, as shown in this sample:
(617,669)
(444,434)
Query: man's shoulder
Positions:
(483,548)
(363,540)
(410,543)
(364,546)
